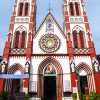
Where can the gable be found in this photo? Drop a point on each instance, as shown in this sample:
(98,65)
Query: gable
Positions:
(50,28)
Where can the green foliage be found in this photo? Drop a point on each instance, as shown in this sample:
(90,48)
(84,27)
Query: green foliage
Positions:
(4,95)
(98,97)
(26,97)
(74,95)
(83,97)
(94,96)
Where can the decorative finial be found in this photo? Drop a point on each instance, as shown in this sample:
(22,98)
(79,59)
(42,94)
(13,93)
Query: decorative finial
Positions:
(49,6)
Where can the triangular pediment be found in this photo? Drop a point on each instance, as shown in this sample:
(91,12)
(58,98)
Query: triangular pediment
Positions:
(50,31)
(52,18)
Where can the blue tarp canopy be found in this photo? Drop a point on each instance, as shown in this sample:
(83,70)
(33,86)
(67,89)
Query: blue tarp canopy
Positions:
(12,76)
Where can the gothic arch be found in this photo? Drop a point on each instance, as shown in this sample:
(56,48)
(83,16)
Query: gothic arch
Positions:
(20,37)
(59,76)
(16,39)
(21,28)
(77,28)
(78,37)
(16,67)
(90,76)
(26,9)
(82,39)
(20,9)
(50,60)
(71,6)
(77,9)
(75,39)
(23,39)
(85,67)
(23,9)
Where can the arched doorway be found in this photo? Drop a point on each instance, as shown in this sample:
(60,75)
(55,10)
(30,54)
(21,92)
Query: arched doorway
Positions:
(50,80)
(14,83)
(49,83)
(83,82)
(85,77)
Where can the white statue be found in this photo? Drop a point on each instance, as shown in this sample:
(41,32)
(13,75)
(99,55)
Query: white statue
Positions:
(27,65)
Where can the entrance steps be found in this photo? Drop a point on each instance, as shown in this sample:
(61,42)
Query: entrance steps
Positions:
(17,96)
(35,98)
(64,98)
(67,98)
(20,96)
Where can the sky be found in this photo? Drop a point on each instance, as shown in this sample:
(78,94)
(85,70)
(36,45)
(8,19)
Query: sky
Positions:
(92,9)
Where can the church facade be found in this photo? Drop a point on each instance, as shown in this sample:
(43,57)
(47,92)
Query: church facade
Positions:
(50,62)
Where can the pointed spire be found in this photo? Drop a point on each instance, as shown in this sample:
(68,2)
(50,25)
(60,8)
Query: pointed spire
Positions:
(49,6)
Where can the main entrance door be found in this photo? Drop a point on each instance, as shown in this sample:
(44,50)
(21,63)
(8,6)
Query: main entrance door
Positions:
(50,80)
(83,84)
(15,85)
(50,88)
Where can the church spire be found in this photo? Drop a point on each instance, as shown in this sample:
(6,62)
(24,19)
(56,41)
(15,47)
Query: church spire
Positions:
(49,6)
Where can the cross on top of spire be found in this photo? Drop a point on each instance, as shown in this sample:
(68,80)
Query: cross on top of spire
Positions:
(49,6)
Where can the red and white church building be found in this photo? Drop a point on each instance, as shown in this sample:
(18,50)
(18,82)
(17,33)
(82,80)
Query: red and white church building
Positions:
(50,62)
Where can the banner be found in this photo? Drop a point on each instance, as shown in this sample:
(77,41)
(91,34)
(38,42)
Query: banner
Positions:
(12,76)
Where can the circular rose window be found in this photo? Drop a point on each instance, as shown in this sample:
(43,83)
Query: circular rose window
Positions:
(49,43)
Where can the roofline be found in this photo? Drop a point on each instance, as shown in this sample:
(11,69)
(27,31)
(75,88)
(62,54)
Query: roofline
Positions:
(54,21)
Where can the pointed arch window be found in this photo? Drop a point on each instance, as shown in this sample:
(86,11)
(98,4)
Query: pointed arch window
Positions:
(75,39)
(20,11)
(16,39)
(77,9)
(81,36)
(71,9)
(26,9)
(23,41)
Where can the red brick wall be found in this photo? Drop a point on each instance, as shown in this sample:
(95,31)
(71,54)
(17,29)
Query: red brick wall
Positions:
(1,85)
(97,82)
(26,83)
(73,79)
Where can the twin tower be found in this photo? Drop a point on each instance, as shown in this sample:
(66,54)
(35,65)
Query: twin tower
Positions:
(50,63)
